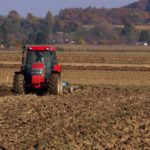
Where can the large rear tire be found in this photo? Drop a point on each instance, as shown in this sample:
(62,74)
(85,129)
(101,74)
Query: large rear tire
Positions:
(55,84)
(18,83)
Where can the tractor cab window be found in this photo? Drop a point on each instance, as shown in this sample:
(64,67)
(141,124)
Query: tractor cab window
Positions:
(38,56)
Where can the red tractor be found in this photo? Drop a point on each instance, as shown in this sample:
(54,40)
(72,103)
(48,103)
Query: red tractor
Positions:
(39,70)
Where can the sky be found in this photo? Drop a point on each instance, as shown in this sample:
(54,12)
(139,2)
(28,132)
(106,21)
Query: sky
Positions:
(39,8)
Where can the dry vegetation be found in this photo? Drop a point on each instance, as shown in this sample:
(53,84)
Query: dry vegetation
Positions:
(101,48)
(137,27)
(109,108)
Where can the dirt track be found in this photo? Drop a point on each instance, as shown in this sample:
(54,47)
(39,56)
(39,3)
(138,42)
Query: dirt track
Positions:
(90,118)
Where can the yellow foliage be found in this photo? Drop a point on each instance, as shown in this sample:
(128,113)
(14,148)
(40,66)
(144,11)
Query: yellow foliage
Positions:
(81,41)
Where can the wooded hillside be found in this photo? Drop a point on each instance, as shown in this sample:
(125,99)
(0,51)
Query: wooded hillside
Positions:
(78,25)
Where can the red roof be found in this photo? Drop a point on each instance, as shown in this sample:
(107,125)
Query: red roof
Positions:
(40,48)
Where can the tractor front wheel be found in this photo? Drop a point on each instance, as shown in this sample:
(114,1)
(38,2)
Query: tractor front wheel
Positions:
(55,84)
(18,83)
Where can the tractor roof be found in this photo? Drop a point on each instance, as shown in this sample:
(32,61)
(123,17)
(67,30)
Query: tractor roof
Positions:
(40,48)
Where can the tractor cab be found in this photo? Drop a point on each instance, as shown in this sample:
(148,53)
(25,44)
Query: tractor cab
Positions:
(40,68)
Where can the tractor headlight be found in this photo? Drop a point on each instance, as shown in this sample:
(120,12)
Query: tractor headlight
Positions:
(37,71)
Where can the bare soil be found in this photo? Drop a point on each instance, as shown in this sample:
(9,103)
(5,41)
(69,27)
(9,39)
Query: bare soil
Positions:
(90,118)
(109,58)
(5,90)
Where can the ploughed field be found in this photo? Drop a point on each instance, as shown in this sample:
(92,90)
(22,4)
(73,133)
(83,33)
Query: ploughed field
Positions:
(109,108)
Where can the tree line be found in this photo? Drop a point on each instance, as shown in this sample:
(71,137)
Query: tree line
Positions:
(90,25)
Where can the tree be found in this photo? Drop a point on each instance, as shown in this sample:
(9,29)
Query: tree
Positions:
(3,34)
(104,31)
(144,36)
(49,23)
(31,37)
(148,7)
(128,26)
(12,40)
(31,17)
(40,38)
(49,19)
(13,14)
(129,32)
(70,26)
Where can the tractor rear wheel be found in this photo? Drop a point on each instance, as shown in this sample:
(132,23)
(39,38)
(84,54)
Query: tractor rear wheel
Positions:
(18,83)
(55,84)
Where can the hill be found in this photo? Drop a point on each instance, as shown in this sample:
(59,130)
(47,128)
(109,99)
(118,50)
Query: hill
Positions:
(137,12)
(143,5)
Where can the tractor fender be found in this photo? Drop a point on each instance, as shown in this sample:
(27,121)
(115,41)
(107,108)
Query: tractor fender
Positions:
(56,68)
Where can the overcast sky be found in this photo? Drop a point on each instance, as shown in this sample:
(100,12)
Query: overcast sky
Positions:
(41,7)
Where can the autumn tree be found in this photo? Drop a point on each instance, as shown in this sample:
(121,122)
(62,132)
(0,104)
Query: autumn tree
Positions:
(81,41)
(14,14)
(31,17)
